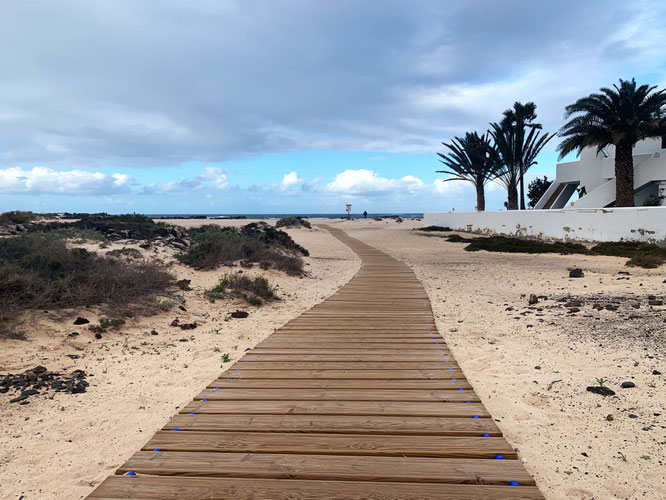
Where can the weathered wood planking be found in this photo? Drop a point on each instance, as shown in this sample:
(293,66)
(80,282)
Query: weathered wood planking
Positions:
(358,398)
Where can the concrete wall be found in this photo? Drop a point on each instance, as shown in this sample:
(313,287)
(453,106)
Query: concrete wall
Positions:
(592,224)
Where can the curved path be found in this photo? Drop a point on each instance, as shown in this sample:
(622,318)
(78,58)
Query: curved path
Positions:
(357,398)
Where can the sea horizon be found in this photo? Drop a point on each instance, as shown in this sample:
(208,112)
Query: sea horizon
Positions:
(403,215)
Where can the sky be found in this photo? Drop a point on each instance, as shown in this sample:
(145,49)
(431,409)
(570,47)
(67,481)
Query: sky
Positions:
(289,106)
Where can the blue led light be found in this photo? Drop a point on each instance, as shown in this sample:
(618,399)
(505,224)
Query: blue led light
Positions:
(486,435)
(131,473)
(514,483)
(156,449)
(499,457)
(475,416)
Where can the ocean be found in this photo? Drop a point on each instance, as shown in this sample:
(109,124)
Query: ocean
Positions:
(411,215)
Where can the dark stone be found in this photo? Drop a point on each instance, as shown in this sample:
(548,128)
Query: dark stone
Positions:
(533,299)
(655,302)
(597,306)
(98,336)
(73,334)
(585,454)
(631,415)
(611,307)
(188,326)
(574,310)
(609,418)
(627,385)
(183,340)
(73,356)
(656,372)
(182,308)
(537,367)
(81,321)
(574,303)
(184,284)
(154,332)
(576,273)
(601,390)
(240,314)
(175,322)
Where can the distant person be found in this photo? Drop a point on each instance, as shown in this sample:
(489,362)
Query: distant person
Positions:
(365,214)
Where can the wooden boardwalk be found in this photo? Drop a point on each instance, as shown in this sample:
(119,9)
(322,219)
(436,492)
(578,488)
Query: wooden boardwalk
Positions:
(357,398)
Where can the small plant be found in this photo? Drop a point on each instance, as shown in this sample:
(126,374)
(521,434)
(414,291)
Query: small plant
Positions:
(652,385)
(600,381)
(623,457)
(645,457)
(434,229)
(225,358)
(216,349)
(106,323)
(254,290)
(293,221)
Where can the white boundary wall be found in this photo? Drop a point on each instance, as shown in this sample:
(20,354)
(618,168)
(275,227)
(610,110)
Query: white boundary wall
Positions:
(584,224)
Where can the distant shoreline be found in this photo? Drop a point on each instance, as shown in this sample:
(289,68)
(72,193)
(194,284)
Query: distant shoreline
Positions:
(409,215)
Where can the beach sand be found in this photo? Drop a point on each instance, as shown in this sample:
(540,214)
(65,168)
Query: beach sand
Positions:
(529,366)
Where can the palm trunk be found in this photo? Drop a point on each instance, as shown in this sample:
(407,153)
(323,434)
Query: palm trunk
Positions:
(480,198)
(522,194)
(624,175)
(513,197)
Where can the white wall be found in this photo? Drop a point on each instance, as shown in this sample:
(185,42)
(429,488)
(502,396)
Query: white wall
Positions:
(591,224)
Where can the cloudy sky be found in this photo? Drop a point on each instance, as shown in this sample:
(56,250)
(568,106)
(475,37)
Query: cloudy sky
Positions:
(250,106)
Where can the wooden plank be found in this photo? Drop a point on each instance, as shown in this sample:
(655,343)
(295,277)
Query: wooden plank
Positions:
(328,467)
(351,424)
(267,356)
(344,374)
(365,384)
(200,488)
(339,344)
(417,409)
(332,444)
(259,364)
(267,393)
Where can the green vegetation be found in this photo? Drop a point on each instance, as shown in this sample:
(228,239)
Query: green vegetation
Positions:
(433,229)
(646,255)
(39,272)
(254,290)
(536,189)
(214,246)
(128,226)
(293,221)
(130,253)
(517,245)
(17,217)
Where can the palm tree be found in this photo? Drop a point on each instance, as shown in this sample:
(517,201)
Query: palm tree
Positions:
(471,159)
(516,154)
(522,116)
(620,116)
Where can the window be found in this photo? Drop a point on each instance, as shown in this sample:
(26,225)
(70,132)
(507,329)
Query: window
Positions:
(663,142)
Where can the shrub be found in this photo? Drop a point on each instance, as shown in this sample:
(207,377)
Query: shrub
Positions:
(39,272)
(134,226)
(646,255)
(130,253)
(214,246)
(293,221)
(17,217)
(517,245)
(433,228)
(254,290)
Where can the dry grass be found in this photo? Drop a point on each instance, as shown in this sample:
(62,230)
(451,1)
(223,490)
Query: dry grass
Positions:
(254,290)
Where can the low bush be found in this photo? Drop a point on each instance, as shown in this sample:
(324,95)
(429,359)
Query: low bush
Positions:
(17,217)
(646,255)
(518,245)
(40,272)
(214,246)
(254,290)
(127,226)
(433,228)
(293,221)
(130,253)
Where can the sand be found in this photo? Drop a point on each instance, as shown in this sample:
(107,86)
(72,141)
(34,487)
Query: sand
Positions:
(61,448)
(529,366)
(561,433)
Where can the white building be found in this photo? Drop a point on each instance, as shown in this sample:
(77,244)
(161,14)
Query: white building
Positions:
(593,177)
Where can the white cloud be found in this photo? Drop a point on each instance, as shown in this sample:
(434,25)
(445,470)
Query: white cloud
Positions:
(289,181)
(211,176)
(364,182)
(41,180)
